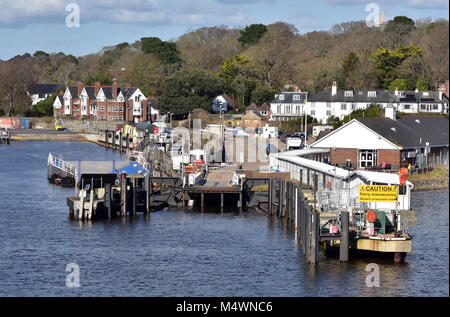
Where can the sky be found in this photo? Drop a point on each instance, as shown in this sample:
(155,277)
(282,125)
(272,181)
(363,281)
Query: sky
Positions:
(27,26)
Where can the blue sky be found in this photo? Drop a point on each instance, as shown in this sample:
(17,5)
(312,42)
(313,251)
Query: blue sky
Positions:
(31,25)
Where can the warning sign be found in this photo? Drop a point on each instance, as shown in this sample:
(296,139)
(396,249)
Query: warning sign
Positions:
(377,193)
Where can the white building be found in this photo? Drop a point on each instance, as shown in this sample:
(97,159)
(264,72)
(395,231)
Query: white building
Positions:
(340,103)
(39,92)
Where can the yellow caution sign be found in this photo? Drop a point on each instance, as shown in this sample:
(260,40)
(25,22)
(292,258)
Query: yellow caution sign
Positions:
(378,193)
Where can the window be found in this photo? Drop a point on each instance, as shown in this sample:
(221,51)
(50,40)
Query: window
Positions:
(298,109)
(102,108)
(371,94)
(423,107)
(367,158)
(435,107)
(343,106)
(348,93)
(313,104)
(296,97)
(281,97)
(121,108)
(279,109)
(313,112)
(328,104)
(288,109)
(117,109)
(406,107)
(328,112)
(117,118)
(102,117)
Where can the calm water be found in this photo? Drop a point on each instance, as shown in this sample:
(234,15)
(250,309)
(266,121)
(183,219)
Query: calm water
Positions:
(184,253)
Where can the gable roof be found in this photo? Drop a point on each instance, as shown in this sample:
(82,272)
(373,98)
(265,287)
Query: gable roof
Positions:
(411,131)
(34,89)
(253,114)
(252,107)
(73,92)
(264,107)
(230,102)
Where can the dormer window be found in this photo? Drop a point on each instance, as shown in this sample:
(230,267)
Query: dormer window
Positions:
(281,97)
(348,93)
(426,94)
(296,97)
(371,94)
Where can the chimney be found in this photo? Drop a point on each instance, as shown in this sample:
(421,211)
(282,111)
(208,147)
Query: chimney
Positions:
(334,89)
(389,112)
(417,90)
(80,87)
(396,91)
(114,89)
(96,87)
(440,95)
(61,92)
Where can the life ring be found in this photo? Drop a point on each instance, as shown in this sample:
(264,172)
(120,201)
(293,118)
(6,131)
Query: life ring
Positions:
(371,216)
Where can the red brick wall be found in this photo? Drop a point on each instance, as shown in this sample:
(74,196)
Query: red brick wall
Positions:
(390,156)
(340,156)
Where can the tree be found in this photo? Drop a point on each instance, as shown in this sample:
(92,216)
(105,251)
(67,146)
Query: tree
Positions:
(423,83)
(147,73)
(251,34)
(103,77)
(44,107)
(165,51)
(398,83)
(188,89)
(262,94)
(15,75)
(387,61)
(349,65)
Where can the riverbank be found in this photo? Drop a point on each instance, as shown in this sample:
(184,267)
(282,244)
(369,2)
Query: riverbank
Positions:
(45,135)
(436,179)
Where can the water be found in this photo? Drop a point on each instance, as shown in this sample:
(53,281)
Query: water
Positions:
(185,253)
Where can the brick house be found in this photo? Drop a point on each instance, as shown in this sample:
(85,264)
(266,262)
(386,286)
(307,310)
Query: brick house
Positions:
(111,103)
(368,142)
(253,120)
(264,110)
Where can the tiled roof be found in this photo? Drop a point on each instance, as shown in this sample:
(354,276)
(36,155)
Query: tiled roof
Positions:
(34,89)
(289,97)
(411,131)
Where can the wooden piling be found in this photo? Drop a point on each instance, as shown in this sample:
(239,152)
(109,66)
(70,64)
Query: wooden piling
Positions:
(221,200)
(202,200)
(120,141)
(113,141)
(108,198)
(315,238)
(134,183)
(123,193)
(127,142)
(147,193)
(269,198)
(106,138)
(343,247)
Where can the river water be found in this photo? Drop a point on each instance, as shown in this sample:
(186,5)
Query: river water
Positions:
(185,253)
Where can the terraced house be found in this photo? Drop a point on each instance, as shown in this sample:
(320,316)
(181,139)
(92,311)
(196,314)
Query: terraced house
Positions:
(111,103)
(340,103)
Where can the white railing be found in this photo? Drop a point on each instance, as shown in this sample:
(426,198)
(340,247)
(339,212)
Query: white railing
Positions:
(59,162)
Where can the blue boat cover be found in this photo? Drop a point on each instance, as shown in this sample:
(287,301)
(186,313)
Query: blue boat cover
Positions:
(132,168)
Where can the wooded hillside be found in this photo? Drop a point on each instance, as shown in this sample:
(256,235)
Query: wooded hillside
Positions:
(249,64)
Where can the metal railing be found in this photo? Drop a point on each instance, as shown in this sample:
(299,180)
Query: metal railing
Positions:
(59,162)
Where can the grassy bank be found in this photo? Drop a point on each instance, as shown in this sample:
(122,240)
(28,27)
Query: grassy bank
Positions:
(436,179)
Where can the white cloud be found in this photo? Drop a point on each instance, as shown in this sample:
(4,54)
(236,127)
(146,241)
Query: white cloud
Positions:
(428,4)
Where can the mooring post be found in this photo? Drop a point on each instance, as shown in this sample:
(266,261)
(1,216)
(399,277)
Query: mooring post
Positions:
(315,237)
(113,141)
(221,200)
(202,200)
(108,198)
(269,198)
(123,192)
(127,142)
(315,191)
(106,138)
(282,198)
(134,182)
(120,141)
(343,247)
(147,193)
